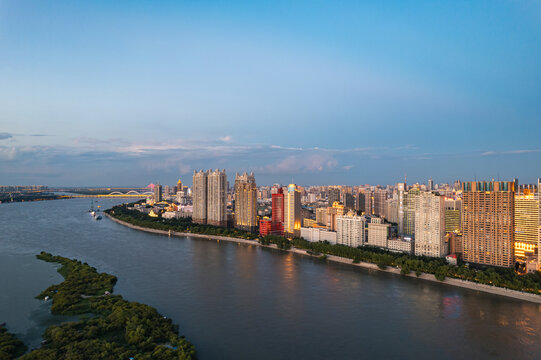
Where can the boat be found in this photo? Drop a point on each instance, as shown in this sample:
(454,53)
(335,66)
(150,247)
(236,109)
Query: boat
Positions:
(93,212)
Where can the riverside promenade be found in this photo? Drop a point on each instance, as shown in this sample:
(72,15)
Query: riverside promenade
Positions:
(394,270)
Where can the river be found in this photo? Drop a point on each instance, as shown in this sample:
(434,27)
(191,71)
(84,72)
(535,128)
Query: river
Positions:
(245,302)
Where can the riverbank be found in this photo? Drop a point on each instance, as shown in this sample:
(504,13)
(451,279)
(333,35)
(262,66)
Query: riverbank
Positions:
(424,276)
(6,198)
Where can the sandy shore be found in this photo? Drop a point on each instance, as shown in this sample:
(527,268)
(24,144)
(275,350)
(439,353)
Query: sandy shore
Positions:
(449,281)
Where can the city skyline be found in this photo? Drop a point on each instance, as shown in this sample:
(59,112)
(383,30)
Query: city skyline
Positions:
(98,94)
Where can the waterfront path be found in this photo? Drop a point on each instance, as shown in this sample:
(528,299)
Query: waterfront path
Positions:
(395,270)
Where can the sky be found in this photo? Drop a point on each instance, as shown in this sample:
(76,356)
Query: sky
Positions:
(124,93)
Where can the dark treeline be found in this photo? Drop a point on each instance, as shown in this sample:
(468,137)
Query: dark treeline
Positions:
(10,346)
(110,327)
(138,218)
(501,277)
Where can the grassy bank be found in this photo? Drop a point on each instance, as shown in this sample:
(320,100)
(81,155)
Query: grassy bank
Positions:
(500,277)
(114,329)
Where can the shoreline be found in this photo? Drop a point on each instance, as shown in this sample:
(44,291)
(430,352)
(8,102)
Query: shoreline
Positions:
(424,276)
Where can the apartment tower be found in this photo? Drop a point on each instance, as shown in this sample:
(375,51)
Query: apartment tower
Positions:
(278,216)
(488,222)
(245,202)
(526,249)
(217,198)
(430,225)
(199,196)
(292,211)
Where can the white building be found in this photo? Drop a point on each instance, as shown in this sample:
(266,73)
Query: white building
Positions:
(378,233)
(217,198)
(199,195)
(401,245)
(350,230)
(430,225)
(317,234)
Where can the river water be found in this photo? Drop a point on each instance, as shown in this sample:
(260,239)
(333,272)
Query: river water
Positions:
(246,302)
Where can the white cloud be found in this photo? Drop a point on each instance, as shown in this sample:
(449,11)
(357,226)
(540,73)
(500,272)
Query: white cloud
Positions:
(8,153)
(226,138)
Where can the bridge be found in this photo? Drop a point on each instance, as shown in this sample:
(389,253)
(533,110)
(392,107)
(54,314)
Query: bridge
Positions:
(117,194)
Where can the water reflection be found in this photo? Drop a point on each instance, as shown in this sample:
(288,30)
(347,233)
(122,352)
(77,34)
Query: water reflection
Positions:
(247,302)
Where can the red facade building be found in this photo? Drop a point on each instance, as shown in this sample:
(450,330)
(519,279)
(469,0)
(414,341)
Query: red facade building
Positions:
(278,216)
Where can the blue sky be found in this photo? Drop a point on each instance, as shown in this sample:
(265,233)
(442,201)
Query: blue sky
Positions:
(342,92)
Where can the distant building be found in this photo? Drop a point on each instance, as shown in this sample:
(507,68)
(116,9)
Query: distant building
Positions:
(179,186)
(157,193)
(333,195)
(321,216)
(245,202)
(348,200)
(379,198)
(391,210)
(292,211)
(337,209)
(488,226)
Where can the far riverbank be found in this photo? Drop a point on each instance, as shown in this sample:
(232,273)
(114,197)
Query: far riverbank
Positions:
(424,276)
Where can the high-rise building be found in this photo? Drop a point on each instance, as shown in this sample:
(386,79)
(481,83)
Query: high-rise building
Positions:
(378,232)
(292,211)
(412,198)
(402,190)
(179,186)
(335,210)
(430,225)
(379,198)
(217,198)
(333,195)
(452,214)
(526,248)
(359,201)
(157,193)
(350,230)
(245,202)
(369,202)
(430,186)
(278,215)
(348,200)
(391,210)
(488,222)
(199,196)
(321,216)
